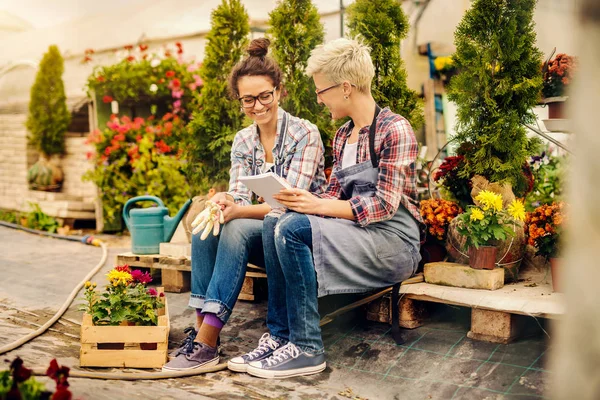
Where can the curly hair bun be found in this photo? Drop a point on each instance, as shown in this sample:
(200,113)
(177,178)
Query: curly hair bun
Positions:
(258,47)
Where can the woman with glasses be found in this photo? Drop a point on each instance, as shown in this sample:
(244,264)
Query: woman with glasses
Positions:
(276,141)
(362,234)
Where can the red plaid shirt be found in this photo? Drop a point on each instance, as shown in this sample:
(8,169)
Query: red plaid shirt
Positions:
(396,147)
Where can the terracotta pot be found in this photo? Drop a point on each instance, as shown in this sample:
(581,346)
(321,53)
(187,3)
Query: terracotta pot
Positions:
(148,346)
(554,271)
(556,107)
(111,346)
(483,257)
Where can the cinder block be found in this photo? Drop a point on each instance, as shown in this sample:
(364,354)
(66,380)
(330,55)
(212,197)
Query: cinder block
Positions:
(176,249)
(460,275)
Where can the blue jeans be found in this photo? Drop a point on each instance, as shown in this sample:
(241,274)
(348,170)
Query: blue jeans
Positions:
(219,265)
(293,312)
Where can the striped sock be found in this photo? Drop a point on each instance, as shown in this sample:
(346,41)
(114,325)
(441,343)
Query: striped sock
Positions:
(210,330)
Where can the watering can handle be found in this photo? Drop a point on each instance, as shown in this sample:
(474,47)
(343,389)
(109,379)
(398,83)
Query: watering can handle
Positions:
(134,200)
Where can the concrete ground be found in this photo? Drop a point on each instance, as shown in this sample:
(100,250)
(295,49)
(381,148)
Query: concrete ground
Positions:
(437,361)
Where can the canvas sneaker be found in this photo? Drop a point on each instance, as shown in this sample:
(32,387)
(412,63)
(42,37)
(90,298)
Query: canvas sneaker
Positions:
(202,356)
(266,346)
(187,345)
(286,362)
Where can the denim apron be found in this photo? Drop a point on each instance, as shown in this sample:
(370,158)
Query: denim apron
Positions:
(278,151)
(350,258)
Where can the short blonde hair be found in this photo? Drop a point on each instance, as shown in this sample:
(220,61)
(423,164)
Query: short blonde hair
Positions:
(343,59)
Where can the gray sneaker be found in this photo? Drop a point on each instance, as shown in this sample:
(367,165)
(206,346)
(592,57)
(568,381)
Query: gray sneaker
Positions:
(266,346)
(286,362)
(202,356)
(187,345)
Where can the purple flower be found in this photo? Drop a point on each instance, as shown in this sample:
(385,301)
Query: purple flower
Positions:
(152,292)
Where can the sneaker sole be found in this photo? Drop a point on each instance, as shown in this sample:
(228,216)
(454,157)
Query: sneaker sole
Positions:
(271,374)
(237,367)
(209,363)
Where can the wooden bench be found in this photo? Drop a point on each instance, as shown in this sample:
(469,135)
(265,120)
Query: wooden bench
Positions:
(175,272)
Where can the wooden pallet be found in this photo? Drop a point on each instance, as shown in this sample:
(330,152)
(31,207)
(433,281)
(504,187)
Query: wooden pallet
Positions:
(133,338)
(496,316)
(175,272)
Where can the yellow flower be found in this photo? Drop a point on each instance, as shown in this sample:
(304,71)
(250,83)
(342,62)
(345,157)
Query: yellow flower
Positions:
(119,277)
(476,214)
(88,284)
(517,210)
(442,62)
(489,200)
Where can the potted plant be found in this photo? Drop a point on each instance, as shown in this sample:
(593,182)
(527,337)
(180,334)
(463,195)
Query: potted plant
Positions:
(486,223)
(558,73)
(48,122)
(544,227)
(126,301)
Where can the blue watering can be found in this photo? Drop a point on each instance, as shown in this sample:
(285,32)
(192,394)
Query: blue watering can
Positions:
(150,226)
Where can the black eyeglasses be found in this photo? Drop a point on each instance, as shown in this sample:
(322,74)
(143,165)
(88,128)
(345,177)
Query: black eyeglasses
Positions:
(320,92)
(264,98)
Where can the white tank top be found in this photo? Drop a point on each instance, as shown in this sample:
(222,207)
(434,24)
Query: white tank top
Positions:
(349,158)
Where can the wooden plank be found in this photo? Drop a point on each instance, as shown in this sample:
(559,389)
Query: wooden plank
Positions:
(251,274)
(247,292)
(122,358)
(125,334)
(173,267)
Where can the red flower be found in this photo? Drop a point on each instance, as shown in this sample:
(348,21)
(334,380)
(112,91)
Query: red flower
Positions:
(88,51)
(107,99)
(162,147)
(167,116)
(170,74)
(123,268)
(152,292)
(175,83)
(100,78)
(138,138)
(128,47)
(141,277)
(86,59)
(131,58)
(18,371)
(89,155)
(143,47)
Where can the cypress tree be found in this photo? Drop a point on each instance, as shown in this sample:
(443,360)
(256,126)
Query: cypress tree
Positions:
(218,117)
(498,83)
(296,30)
(382,25)
(49,117)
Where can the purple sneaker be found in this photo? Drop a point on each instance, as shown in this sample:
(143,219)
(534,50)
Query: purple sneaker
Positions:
(202,356)
(266,346)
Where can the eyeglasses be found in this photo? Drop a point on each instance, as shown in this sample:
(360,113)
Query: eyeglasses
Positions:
(264,98)
(320,92)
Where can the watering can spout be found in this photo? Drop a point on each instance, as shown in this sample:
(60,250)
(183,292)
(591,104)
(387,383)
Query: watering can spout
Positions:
(170,224)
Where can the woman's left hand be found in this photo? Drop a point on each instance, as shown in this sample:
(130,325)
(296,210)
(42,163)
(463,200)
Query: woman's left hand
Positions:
(298,200)
(230,210)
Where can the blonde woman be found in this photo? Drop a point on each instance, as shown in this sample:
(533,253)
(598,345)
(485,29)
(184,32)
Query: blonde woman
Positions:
(362,234)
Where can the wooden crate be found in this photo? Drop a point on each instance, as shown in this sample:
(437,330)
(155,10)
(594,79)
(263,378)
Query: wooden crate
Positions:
(132,356)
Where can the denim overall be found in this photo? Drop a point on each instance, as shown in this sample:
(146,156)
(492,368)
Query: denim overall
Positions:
(353,259)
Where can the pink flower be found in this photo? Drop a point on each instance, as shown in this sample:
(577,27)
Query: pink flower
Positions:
(177,104)
(141,277)
(152,292)
(197,80)
(177,93)
(192,67)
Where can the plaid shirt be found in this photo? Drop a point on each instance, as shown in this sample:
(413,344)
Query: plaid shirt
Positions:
(303,165)
(396,146)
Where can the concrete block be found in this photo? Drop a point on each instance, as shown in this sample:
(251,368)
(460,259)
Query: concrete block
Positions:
(176,249)
(494,326)
(460,275)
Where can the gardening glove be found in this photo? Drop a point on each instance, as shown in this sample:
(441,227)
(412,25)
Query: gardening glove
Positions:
(209,219)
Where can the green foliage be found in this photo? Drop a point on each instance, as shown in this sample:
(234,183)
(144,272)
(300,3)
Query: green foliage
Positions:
(139,157)
(217,118)
(141,77)
(49,117)
(382,25)
(30,389)
(124,299)
(296,29)
(37,219)
(549,174)
(8,216)
(498,83)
